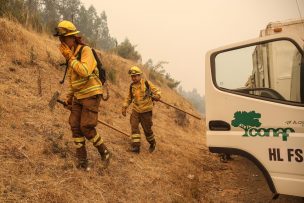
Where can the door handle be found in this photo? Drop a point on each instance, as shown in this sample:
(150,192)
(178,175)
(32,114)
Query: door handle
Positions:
(218,125)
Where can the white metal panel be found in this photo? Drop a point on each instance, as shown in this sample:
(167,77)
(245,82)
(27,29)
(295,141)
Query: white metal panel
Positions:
(222,105)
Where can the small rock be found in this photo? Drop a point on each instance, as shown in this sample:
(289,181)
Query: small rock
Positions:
(190,176)
(12,69)
(17,62)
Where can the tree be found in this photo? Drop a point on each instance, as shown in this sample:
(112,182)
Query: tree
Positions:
(127,51)
(13,9)
(106,41)
(158,74)
(171,82)
(157,71)
(96,32)
(194,98)
(50,14)
(149,63)
(246,120)
(69,9)
(82,22)
(91,30)
(45,15)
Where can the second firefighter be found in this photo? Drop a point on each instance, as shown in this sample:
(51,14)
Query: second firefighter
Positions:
(141,94)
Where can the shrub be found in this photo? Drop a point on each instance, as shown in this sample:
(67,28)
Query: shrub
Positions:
(181,119)
(156,72)
(111,73)
(173,84)
(127,50)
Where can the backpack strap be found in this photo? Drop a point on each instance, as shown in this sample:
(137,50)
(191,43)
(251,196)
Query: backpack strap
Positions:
(96,57)
(148,90)
(131,93)
(80,52)
(147,84)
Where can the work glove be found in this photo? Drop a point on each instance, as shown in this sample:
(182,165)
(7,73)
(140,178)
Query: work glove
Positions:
(124,111)
(66,51)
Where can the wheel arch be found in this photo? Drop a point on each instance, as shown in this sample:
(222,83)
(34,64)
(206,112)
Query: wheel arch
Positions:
(252,158)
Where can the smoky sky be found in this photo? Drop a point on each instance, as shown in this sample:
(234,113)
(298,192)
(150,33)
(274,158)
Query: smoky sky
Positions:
(181,32)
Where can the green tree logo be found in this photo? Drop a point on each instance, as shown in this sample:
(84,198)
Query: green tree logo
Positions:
(246,120)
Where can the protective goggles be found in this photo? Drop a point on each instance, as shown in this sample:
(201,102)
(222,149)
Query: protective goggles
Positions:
(133,72)
(61,32)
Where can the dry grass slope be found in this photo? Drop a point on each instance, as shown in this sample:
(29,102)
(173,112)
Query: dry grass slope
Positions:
(37,152)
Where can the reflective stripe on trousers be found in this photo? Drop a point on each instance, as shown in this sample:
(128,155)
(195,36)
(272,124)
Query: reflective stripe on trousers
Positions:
(145,119)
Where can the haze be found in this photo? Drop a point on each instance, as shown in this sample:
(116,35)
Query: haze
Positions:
(181,32)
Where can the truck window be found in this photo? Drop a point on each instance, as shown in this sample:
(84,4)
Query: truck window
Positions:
(269,70)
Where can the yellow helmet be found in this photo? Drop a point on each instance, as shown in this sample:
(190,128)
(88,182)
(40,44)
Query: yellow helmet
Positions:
(65,28)
(134,70)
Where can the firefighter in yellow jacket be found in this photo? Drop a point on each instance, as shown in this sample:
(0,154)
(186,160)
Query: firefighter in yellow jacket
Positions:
(85,92)
(141,94)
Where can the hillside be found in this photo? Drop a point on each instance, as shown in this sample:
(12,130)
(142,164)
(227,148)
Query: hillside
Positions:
(37,152)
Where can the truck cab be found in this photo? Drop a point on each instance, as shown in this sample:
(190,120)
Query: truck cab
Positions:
(255,103)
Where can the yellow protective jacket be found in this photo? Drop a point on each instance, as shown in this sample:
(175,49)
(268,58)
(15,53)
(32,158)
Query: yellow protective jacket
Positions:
(140,100)
(83,75)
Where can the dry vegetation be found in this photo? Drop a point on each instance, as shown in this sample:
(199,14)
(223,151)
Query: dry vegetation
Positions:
(37,152)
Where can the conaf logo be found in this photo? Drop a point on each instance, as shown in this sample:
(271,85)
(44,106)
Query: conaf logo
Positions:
(249,122)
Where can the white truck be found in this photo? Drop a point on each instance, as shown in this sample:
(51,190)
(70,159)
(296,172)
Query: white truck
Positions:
(255,104)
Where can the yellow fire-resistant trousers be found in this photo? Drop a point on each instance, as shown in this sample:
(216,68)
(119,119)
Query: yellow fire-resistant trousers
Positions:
(145,119)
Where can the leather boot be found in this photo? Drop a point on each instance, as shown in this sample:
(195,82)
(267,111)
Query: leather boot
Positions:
(152,146)
(81,154)
(105,154)
(135,148)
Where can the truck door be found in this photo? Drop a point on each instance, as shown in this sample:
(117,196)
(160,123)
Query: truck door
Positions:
(255,107)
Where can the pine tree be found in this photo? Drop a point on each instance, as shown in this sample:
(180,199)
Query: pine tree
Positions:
(50,14)
(69,9)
